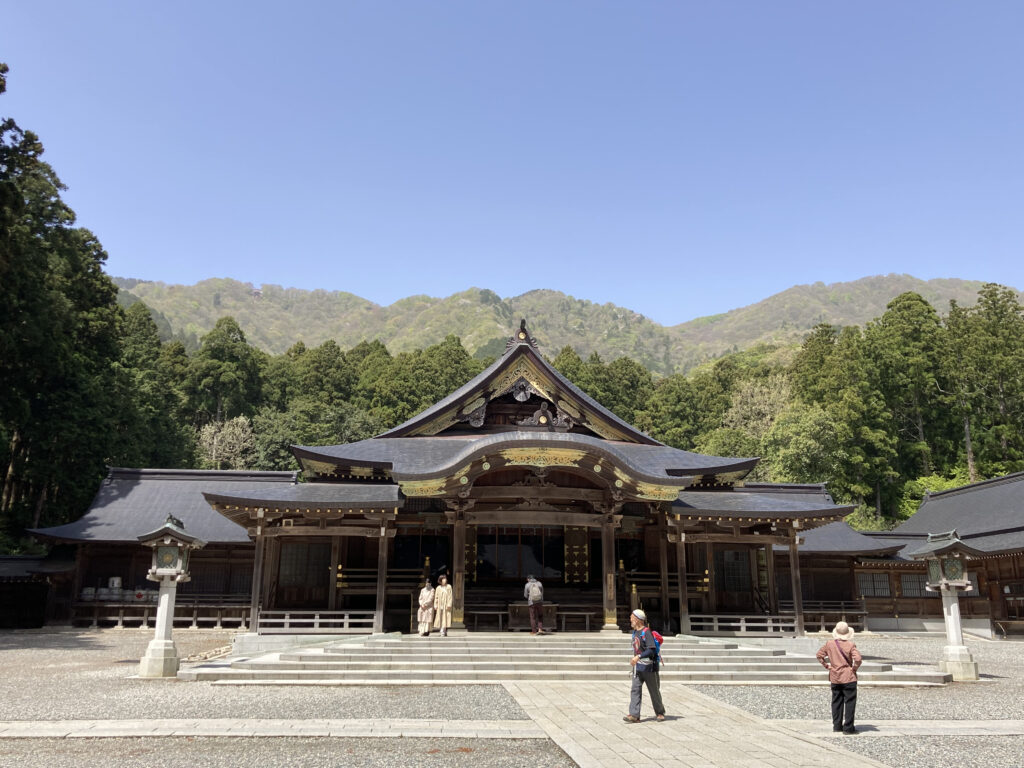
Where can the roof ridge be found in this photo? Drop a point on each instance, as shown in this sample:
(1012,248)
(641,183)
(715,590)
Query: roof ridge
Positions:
(1011,478)
(125,473)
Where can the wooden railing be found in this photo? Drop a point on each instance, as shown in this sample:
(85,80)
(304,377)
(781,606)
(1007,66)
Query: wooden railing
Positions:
(364,580)
(197,610)
(315,622)
(821,615)
(701,624)
(649,582)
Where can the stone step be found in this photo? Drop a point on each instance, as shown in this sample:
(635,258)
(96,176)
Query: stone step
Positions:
(441,650)
(710,677)
(527,664)
(384,658)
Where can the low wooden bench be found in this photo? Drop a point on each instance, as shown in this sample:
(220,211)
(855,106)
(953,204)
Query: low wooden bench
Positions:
(478,612)
(563,615)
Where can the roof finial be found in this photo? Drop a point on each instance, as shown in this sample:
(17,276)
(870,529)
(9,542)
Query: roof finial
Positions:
(522,336)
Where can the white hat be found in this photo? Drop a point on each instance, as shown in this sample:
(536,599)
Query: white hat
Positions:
(640,615)
(842,631)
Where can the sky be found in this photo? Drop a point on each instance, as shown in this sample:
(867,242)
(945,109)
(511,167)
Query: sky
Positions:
(677,158)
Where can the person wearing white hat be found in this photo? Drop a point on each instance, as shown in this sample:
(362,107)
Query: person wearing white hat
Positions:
(842,659)
(645,669)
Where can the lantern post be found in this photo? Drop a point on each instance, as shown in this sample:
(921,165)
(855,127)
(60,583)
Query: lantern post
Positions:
(171,547)
(945,555)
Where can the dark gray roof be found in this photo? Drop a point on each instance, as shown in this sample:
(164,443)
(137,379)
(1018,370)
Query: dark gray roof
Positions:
(762,500)
(133,502)
(411,458)
(519,348)
(840,538)
(979,508)
(313,495)
(19,566)
(940,544)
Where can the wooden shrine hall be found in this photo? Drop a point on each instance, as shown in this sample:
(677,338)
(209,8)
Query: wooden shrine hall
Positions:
(517,473)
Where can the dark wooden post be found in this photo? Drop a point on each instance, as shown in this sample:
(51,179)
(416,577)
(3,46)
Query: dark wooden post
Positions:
(382,578)
(332,595)
(684,605)
(611,618)
(459,570)
(257,574)
(666,611)
(712,587)
(773,594)
(794,570)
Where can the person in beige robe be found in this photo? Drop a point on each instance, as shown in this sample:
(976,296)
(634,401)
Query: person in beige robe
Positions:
(443,606)
(425,615)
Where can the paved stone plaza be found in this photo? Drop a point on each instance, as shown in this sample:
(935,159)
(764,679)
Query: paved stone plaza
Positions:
(69,698)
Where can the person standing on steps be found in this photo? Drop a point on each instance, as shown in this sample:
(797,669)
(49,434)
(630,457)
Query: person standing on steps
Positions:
(425,615)
(443,606)
(842,659)
(534,594)
(645,669)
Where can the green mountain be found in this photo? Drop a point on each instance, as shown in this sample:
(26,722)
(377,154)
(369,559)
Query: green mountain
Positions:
(274,318)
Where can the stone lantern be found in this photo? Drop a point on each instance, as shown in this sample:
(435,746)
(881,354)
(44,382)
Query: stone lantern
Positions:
(945,556)
(171,548)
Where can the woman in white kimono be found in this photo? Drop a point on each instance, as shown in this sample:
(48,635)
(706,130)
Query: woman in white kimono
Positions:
(443,606)
(425,615)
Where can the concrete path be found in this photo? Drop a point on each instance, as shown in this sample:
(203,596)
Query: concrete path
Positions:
(463,729)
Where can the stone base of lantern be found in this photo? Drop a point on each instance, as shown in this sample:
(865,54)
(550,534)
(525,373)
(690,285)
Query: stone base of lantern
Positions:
(957,661)
(161,660)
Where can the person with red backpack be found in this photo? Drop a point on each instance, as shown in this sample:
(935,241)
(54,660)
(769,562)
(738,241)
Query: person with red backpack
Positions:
(645,661)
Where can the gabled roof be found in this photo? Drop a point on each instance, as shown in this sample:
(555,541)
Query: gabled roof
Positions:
(133,502)
(988,508)
(840,539)
(236,503)
(521,362)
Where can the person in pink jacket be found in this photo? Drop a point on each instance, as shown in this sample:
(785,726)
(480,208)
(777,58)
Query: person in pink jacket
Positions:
(841,658)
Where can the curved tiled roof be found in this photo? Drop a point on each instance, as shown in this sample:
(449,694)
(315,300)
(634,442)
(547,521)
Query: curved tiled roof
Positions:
(134,502)
(425,457)
(984,508)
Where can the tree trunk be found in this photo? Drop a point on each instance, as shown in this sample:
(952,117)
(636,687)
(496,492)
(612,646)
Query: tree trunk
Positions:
(40,505)
(972,473)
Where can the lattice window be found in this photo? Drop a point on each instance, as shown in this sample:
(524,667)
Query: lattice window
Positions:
(873,584)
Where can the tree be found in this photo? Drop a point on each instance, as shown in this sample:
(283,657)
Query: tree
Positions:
(227,444)
(224,374)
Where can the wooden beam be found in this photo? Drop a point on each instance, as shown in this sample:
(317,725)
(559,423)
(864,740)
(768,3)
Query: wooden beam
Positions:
(684,605)
(314,530)
(459,572)
(666,611)
(611,619)
(486,492)
(532,518)
(725,538)
(257,584)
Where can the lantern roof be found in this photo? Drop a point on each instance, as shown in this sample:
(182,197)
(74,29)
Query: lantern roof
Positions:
(947,543)
(173,529)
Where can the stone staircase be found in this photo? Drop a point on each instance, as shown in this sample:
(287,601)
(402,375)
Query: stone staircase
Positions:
(494,657)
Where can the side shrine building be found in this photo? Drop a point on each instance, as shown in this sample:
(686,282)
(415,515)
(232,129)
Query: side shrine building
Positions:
(517,473)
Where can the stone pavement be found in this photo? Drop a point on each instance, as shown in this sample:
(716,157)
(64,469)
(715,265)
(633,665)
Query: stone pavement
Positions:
(585,720)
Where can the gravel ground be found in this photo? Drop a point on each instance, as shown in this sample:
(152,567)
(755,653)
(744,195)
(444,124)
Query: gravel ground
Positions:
(999,695)
(932,751)
(293,752)
(86,674)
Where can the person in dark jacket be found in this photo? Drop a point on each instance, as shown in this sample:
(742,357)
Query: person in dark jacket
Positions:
(645,669)
(841,658)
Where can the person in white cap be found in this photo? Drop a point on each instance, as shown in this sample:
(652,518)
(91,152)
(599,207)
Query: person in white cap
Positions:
(841,658)
(645,669)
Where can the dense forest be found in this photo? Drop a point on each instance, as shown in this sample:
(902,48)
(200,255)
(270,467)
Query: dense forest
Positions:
(914,400)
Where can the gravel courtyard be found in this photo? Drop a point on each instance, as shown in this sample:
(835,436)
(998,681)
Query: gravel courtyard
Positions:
(86,674)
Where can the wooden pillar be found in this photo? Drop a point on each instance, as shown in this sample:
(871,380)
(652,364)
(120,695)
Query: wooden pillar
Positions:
(459,570)
(684,605)
(712,586)
(666,611)
(382,578)
(332,587)
(611,618)
(773,595)
(794,571)
(257,578)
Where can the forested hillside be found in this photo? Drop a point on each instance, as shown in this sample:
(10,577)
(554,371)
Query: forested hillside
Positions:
(273,318)
(911,399)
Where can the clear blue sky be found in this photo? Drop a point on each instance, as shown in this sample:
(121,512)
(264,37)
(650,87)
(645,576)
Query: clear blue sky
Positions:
(679,159)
